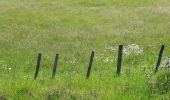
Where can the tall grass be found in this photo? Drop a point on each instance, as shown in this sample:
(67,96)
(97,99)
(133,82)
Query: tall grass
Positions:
(73,29)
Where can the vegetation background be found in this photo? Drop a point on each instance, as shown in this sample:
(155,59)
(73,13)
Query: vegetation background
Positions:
(73,28)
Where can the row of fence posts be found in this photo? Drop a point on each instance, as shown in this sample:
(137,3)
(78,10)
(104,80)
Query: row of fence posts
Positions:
(119,62)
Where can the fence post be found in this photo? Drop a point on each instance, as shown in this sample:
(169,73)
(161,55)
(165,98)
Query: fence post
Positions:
(55,65)
(38,66)
(90,65)
(119,60)
(159,58)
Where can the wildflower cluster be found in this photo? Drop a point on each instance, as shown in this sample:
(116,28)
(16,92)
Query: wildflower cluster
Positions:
(166,63)
(6,67)
(133,48)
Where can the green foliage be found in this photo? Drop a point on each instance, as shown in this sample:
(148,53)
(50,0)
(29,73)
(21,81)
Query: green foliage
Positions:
(159,84)
(73,29)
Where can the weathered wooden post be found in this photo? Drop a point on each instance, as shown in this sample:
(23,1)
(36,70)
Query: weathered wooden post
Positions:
(38,66)
(159,58)
(119,60)
(90,65)
(55,65)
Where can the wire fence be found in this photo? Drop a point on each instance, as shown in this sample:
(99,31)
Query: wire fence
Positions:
(119,62)
(44,61)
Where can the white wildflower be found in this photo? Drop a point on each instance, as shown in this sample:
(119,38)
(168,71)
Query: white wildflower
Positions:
(9,68)
(73,61)
(133,48)
(6,67)
(166,63)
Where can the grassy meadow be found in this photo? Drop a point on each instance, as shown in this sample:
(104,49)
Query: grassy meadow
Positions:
(73,28)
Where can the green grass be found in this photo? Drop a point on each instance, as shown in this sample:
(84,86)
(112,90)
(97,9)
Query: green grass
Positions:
(73,28)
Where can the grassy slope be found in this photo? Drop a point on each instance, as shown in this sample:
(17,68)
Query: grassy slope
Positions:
(73,29)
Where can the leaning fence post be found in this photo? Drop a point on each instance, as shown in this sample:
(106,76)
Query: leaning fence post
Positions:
(55,65)
(119,60)
(38,66)
(159,58)
(90,65)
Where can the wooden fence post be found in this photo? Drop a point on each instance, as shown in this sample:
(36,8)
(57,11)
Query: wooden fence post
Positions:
(90,65)
(38,66)
(119,60)
(55,65)
(159,58)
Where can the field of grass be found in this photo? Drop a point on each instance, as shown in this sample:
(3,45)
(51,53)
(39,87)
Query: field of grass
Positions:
(73,28)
